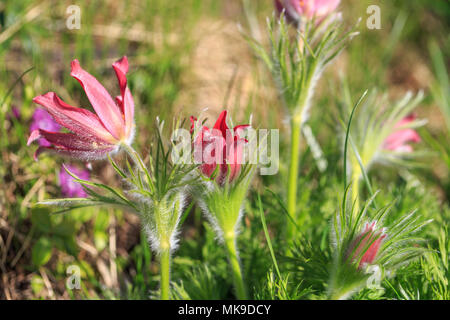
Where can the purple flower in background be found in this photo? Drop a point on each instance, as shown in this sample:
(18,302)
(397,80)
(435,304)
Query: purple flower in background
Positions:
(16,112)
(70,188)
(41,119)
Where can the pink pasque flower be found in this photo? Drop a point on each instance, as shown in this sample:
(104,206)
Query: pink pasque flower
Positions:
(69,187)
(92,136)
(398,141)
(219,146)
(370,241)
(295,10)
(41,119)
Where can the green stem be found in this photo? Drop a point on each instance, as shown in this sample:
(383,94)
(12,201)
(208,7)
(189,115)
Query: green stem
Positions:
(165,274)
(134,155)
(233,257)
(356,174)
(296,126)
(293,174)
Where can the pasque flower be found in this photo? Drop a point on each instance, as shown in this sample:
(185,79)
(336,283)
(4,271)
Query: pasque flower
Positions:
(69,187)
(295,10)
(41,119)
(92,136)
(219,146)
(366,245)
(398,141)
(366,252)
(220,153)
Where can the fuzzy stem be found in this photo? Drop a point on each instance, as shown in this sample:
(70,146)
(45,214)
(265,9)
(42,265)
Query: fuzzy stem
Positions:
(293,174)
(233,257)
(342,292)
(296,129)
(337,295)
(165,273)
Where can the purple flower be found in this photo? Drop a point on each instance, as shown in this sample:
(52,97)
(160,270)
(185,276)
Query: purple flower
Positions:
(16,112)
(41,119)
(70,188)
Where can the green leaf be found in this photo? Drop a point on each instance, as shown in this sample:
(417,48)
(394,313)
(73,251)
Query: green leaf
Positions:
(37,284)
(66,228)
(41,252)
(100,240)
(40,218)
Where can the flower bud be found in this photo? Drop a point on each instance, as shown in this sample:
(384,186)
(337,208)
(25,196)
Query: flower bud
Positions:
(219,150)
(398,140)
(364,248)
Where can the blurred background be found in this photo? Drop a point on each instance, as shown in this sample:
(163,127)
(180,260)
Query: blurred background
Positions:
(186,56)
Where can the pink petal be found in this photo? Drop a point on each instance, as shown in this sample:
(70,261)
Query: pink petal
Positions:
(126,100)
(221,123)
(84,155)
(193,120)
(399,139)
(105,107)
(238,130)
(68,140)
(78,120)
(234,158)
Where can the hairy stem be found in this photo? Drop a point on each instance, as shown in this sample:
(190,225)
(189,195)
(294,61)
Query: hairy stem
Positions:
(134,156)
(233,257)
(307,92)
(293,174)
(165,274)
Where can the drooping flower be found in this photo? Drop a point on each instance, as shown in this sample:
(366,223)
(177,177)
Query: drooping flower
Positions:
(366,245)
(219,146)
(398,141)
(41,119)
(295,10)
(92,136)
(69,187)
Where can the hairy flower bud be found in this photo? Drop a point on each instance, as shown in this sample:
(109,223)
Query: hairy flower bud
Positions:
(365,246)
(398,140)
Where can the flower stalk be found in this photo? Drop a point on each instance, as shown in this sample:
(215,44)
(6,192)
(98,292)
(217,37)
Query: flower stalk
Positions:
(156,193)
(164,258)
(225,184)
(296,58)
(233,257)
(223,209)
(293,173)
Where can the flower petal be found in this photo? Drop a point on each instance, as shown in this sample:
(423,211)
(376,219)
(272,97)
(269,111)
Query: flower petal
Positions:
(126,101)
(78,120)
(69,140)
(84,155)
(221,123)
(105,107)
